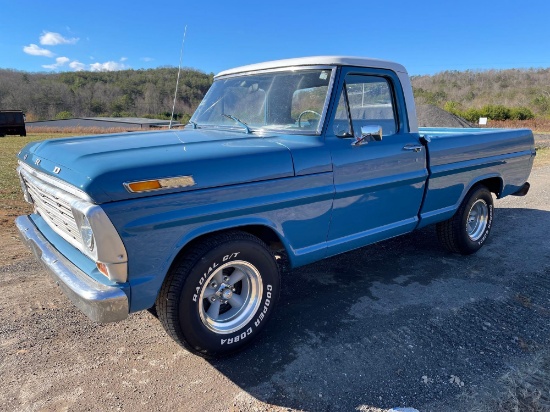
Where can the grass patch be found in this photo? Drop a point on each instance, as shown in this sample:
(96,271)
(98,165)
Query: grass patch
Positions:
(543,157)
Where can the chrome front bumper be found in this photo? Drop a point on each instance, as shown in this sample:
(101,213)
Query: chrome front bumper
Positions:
(99,302)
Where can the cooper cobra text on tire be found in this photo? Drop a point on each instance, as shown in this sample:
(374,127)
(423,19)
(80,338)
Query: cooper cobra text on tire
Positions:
(469,228)
(220,294)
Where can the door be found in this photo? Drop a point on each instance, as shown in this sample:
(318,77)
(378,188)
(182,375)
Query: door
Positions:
(379,180)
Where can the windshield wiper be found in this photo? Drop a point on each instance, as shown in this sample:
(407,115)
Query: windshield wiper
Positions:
(243,124)
(194,124)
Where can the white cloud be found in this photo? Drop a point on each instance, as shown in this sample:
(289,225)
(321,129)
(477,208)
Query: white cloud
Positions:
(35,50)
(147,59)
(49,38)
(107,66)
(77,66)
(54,39)
(59,62)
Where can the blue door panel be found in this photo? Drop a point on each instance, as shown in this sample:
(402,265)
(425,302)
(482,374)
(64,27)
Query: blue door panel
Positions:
(379,185)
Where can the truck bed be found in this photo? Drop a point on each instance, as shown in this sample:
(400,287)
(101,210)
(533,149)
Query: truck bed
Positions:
(460,157)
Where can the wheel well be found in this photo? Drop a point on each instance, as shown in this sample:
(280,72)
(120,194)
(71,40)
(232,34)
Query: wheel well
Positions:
(494,184)
(264,233)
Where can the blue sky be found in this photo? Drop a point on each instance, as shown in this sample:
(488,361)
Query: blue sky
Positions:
(426,36)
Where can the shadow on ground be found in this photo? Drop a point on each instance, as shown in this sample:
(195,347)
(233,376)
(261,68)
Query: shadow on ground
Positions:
(404,323)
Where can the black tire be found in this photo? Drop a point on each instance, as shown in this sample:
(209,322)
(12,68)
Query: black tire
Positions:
(213,324)
(469,228)
(153,311)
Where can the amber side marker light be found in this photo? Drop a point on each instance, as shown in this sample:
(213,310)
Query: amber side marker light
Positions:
(102,267)
(144,186)
(157,184)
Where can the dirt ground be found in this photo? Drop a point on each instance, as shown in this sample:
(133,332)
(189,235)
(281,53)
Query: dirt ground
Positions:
(400,323)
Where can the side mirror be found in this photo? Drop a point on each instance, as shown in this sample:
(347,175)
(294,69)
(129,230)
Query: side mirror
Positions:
(366,132)
(375,131)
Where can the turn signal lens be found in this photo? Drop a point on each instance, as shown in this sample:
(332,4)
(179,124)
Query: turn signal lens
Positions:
(144,186)
(165,183)
(102,268)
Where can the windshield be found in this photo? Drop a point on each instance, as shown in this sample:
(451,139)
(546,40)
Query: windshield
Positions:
(286,100)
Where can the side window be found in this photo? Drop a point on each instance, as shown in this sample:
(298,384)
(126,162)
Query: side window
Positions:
(368,100)
(342,123)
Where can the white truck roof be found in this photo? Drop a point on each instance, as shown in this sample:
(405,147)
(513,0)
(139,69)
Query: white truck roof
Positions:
(318,61)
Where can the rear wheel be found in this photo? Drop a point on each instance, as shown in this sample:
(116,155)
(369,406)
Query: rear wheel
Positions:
(469,228)
(220,295)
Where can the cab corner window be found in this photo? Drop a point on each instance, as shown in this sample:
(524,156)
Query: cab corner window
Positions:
(365,101)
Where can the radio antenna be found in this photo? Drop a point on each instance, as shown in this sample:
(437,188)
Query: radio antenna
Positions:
(178,80)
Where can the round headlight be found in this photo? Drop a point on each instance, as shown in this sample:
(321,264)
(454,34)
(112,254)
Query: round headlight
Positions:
(87,233)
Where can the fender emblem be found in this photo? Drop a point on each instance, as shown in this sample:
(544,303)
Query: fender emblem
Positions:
(37,162)
(56,169)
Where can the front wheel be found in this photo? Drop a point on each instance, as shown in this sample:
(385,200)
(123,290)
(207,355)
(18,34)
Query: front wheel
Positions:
(220,295)
(469,228)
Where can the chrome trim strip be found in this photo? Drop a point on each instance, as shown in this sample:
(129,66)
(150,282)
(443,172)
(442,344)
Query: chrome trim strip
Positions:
(109,248)
(318,60)
(99,302)
(275,70)
(56,182)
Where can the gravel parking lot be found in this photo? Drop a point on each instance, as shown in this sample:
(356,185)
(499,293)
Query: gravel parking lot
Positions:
(400,323)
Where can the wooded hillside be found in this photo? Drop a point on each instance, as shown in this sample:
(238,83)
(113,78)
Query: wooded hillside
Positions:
(462,91)
(149,93)
(142,93)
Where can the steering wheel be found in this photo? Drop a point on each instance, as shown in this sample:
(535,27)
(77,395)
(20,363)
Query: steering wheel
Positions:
(304,112)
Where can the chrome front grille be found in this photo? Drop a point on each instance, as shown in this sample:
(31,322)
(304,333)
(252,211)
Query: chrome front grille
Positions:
(54,205)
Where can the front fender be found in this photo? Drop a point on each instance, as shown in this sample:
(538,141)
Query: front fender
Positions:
(156,229)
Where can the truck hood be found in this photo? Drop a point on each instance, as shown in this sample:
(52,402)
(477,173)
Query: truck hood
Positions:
(100,165)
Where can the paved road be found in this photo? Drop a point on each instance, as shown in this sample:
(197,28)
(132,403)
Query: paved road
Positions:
(400,323)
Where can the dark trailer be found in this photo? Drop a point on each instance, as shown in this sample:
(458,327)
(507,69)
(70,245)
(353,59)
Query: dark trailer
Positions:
(12,122)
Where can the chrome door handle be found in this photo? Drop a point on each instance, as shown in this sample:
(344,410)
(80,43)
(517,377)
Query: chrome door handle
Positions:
(414,147)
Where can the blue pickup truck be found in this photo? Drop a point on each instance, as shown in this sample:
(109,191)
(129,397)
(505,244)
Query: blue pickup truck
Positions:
(307,157)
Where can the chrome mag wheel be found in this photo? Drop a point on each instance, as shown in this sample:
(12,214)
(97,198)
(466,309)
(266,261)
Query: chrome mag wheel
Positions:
(230,297)
(477,220)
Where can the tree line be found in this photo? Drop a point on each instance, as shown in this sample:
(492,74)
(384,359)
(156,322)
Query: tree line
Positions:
(515,93)
(498,94)
(126,93)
